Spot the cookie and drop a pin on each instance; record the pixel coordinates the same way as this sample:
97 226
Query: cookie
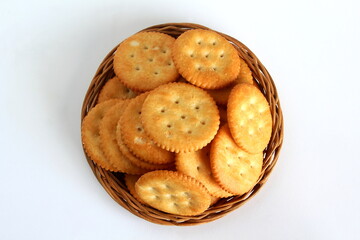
180 117
234 169
249 118
173 192
143 61
108 141
221 96
130 181
206 59
136 140
197 165
135 160
115 89
90 134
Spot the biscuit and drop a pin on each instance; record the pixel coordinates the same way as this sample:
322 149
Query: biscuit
173 192
108 140
234 169
135 160
221 96
180 117
136 140
197 165
130 181
206 59
90 134
115 89
249 118
143 61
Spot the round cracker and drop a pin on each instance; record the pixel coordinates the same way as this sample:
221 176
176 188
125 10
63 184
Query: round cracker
138 162
143 61
197 165
221 96
136 140
90 134
249 118
109 144
130 181
206 59
234 169
115 89
173 192
180 117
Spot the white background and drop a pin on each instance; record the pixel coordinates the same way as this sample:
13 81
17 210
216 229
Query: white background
49 54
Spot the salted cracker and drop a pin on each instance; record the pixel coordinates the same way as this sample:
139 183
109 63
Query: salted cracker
173 192
249 118
130 181
234 169
206 59
90 134
180 117
143 61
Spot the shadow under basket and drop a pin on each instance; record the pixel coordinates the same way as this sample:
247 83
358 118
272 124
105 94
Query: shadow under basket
114 182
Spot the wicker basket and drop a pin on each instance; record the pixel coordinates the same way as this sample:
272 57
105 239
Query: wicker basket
114 182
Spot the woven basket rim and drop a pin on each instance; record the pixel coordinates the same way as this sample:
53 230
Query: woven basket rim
114 184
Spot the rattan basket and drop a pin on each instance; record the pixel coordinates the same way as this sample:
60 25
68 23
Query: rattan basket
114 182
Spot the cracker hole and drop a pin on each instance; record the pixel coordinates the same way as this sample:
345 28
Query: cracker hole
199 42
198 168
127 90
175 204
197 107
162 110
191 55
229 165
189 132
164 51
222 55
137 68
183 116
151 60
146 47
241 174
132 55
203 122
214 68
156 73
251 166
169 125
199 68
157 197
207 56
139 112
169 63
214 43
139 129
176 102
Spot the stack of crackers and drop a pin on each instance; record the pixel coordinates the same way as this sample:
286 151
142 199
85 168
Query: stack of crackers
183 120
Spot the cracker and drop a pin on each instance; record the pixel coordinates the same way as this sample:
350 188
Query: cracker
180 117
249 118
197 165
143 61
90 134
221 96
214 200
173 192
206 59
115 89
136 140
108 140
135 160
234 169
130 181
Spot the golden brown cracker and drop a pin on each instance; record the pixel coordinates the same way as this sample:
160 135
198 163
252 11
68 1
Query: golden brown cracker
90 134
108 140
206 59
180 117
234 169
115 89
135 160
249 118
130 181
143 61
197 165
136 140
173 192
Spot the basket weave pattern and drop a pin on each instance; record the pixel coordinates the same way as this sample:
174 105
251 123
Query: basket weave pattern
114 183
